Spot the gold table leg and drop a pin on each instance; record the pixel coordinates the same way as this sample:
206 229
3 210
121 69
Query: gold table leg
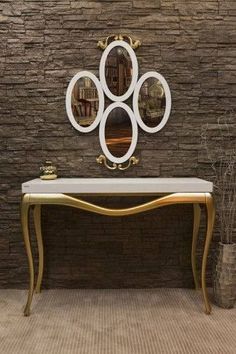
210 224
25 229
38 232
62 199
196 224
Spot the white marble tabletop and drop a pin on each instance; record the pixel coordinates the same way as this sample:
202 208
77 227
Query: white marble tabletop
118 185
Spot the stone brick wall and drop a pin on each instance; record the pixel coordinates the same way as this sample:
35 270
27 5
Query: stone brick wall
43 43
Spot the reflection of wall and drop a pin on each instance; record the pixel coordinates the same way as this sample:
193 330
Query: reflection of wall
39 57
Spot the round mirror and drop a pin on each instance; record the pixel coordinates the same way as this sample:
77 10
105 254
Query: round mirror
118 132
84 101
152 102
118 71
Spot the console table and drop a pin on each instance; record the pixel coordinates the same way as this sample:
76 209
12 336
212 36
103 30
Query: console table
68 192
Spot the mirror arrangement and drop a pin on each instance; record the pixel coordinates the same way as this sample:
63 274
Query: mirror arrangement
88 102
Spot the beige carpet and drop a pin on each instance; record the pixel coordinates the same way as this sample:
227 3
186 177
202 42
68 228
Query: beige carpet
114 322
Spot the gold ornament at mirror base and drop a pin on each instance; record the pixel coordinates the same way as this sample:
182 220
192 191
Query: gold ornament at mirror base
120 37
103 160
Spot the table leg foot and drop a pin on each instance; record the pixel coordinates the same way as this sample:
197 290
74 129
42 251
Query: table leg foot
26 311
208 311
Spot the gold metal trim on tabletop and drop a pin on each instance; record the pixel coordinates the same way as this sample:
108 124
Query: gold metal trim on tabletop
63 199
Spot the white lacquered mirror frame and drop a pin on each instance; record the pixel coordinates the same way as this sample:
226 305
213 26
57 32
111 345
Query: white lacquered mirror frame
166 88
102 134
69 91
102 70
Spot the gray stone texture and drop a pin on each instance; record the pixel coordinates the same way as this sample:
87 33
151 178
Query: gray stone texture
43 44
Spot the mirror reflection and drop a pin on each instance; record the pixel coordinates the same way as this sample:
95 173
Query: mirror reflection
152 102
118 132
118 71
84 101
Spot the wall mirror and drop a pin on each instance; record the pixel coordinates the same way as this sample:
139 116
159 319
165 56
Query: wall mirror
152 102
118 132
118 70
84 101
118 81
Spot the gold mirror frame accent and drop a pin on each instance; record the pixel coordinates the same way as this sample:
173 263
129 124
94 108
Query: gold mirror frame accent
103 160
102 44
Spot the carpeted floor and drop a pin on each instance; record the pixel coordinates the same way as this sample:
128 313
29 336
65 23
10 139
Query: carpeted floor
114 322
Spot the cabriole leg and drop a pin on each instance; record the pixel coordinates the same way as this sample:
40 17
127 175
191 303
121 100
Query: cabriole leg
38 232
25 229
196 224
210 224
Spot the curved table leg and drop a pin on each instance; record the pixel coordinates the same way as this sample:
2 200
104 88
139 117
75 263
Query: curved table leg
196 224
210 224
38 232
25 230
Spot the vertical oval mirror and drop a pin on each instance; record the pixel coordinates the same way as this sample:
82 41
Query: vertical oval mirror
152 102
84 101
118 70
118 132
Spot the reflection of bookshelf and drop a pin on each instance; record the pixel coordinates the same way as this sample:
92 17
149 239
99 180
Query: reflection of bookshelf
118 73
85 104
87 92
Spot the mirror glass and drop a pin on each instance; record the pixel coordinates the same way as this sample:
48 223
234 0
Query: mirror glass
84 101
118 132
118 71
151 102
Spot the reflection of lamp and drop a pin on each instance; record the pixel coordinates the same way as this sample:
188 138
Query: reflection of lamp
120 51
156 90
145 88
87 82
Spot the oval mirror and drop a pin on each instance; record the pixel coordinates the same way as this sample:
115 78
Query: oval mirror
118 71
118 132
152 102
84 101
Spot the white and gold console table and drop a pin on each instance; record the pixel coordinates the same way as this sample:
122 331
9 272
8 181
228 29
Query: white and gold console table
166 191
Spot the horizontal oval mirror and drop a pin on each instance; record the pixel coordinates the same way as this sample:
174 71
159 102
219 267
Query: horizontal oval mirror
84 101
118 132
152 102
118 70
